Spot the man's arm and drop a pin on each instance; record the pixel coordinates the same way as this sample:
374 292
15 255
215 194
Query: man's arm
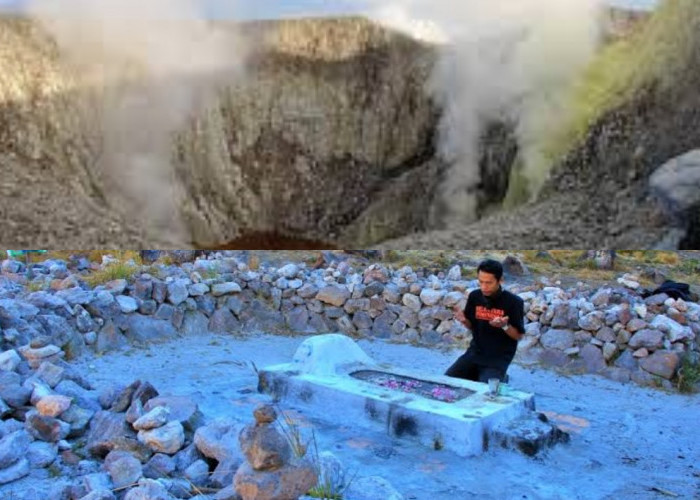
516 327
503 323
462 315
513 332
459 316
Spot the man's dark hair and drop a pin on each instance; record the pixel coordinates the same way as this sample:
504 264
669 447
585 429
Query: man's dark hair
492 267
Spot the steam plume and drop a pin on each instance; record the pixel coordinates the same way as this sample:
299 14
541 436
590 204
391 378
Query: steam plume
501 59
154 63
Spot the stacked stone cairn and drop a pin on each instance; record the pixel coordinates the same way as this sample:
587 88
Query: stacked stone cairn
271 472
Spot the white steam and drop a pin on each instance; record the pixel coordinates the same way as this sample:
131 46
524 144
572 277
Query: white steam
501 59
153 64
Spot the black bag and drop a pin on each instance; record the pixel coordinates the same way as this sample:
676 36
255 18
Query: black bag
672 289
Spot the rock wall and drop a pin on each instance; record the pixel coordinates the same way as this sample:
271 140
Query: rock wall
611 331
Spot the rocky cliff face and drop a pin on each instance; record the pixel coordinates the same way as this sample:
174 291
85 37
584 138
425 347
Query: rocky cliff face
329 121
333 120
598 193
329 136
48 192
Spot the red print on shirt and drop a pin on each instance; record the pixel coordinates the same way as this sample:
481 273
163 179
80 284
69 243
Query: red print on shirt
487 314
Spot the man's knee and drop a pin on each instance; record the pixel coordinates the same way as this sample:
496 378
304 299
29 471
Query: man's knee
463 368
457 370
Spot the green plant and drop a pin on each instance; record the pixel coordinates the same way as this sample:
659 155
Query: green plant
688 267
391 256
209 274
292 432
166 260
688 375
254 262
117 270
54 470
442 261
332 483
36 286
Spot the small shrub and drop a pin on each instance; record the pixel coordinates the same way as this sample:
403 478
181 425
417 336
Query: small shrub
36 286
688 375
117 270
688 267
209 274
442 261
54 470
391 256
166 260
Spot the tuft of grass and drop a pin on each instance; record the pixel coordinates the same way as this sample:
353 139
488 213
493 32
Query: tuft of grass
328 487
391 256
254 262
117 270
652 257
418 259
91 255
688 375
688 269
292 432
166 260
209 274
156 270
37 286
54 470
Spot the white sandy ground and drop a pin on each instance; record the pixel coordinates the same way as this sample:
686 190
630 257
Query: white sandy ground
626 441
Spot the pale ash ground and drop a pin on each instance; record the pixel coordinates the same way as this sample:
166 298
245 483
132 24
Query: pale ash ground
627 441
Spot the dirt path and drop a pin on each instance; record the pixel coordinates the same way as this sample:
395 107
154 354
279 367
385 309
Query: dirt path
626 440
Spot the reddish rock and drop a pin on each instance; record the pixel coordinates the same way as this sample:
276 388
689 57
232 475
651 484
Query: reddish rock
375 273
53 405
651 339
286 483
635 325
46 428
625 316
264 414
105 429
264 447
661 363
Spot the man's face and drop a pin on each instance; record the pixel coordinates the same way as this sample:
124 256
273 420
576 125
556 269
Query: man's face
488 283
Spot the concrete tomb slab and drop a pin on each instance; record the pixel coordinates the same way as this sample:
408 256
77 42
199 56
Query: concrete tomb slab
333 378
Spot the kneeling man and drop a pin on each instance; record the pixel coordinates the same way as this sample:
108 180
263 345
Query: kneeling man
495 317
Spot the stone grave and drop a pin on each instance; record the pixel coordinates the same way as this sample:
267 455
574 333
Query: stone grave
332 378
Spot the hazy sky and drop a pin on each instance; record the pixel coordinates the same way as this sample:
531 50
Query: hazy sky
254 9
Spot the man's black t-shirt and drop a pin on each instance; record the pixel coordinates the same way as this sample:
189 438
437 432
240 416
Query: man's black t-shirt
492 346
